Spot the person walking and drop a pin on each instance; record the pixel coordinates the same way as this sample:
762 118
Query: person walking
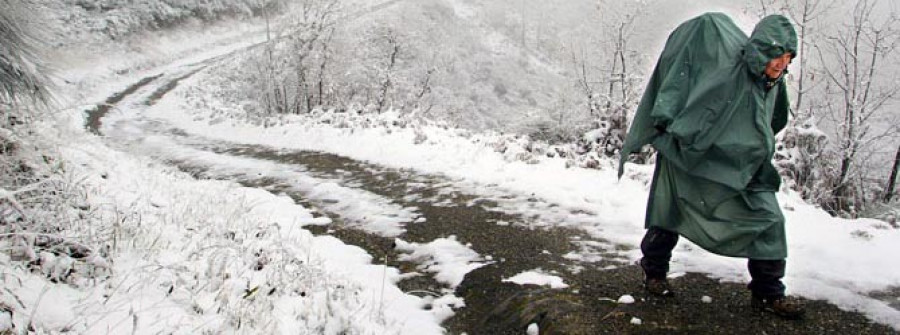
711 109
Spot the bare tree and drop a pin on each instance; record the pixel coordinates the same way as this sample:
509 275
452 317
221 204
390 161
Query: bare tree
622 76
315 22
618 71
425 86
291 80
854 59
585 82
393 47
325 57
804 13
268 65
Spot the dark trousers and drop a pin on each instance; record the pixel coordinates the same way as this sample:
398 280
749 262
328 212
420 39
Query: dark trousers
657 248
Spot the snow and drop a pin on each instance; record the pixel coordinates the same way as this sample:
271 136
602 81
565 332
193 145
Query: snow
442 307
446 257
362 209
706 299
537 277
5 321
626 299
675 274
533 329
205 256
635 321
341 282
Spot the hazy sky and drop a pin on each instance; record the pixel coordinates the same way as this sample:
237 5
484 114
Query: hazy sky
664 15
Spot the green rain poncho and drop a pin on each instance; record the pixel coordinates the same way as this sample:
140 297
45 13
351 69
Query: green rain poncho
712 115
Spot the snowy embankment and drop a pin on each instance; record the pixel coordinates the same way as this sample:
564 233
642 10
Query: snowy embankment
181 255
845 262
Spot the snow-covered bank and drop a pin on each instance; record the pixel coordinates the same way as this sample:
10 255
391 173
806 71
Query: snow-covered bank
186 256
842 261
212 256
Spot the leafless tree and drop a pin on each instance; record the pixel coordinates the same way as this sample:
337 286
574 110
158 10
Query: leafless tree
585 81
294 62
392 50
607 71
623 30
855 60
314 23
325 57
425 86
804 13
621 76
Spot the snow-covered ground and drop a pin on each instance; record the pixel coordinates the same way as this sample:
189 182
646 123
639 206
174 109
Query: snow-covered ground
195 256
187 255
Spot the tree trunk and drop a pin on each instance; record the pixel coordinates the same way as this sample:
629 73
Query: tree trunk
386 86
892 182
804 22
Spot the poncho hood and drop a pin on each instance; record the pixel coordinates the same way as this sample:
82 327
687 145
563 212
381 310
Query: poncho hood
772 37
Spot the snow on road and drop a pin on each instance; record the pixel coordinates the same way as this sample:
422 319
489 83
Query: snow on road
358 208
537 277
446 257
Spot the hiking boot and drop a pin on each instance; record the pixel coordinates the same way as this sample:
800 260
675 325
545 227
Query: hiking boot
658 287
782 306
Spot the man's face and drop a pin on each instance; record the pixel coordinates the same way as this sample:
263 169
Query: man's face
776 66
